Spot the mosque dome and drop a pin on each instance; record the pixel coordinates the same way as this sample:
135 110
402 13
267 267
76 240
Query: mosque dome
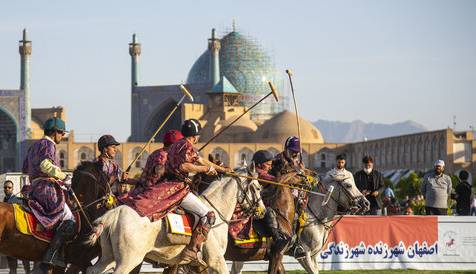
242 131
248 67
283 125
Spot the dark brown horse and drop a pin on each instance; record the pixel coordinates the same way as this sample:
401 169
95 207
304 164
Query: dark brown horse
92 190
282 202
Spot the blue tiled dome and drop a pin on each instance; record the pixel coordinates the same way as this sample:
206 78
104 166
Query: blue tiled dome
248 67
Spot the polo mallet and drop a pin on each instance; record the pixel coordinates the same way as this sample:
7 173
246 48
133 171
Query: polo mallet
290 74
275 95
326 196
186 94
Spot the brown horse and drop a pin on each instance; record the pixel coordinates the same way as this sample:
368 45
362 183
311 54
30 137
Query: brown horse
92 190
282 202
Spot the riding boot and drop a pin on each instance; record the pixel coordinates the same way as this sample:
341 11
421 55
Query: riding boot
190 254
280 239
54 255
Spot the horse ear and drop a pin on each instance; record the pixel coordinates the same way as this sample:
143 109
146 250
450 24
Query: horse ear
252 168
211 158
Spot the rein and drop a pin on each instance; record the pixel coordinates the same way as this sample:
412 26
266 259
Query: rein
105 197
330 224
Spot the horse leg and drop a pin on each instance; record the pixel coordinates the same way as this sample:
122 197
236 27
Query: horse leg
136 270
281 269
307 263
237 267
213 255
106 260
274 263
315 263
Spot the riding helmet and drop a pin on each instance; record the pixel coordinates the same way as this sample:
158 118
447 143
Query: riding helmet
262 156
293 143
54 123
191 127
105 141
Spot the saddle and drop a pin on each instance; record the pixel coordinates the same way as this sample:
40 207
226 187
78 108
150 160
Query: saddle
247 232
26 223
179 226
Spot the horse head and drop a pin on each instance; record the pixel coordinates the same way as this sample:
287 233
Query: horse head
346 196
92 189
249 194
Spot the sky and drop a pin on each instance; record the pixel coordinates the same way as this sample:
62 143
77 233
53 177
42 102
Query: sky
371 60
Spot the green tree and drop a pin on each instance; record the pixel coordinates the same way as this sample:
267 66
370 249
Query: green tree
408 186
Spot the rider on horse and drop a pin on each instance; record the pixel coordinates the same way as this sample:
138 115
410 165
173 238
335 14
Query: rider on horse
183 158
47 199
155 166
290 159
107 146
263 160
283 163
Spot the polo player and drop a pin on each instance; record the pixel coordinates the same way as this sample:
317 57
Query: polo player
107 146
183 158
46 196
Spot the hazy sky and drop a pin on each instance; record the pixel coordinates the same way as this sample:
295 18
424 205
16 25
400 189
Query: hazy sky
378 61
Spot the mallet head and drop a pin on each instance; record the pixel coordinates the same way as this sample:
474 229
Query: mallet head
186 92
273 90
289 72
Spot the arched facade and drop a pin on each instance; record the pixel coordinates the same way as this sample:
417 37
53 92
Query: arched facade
140 163
8 141
158 116
219 154
244 156
63 158
84 153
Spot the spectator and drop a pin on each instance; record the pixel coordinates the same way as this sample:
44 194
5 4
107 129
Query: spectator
463 194
370 182
408 211
12 198
473 206
436 188
388 192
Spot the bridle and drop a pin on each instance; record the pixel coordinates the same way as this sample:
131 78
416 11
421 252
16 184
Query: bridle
244 191
329 225
342 190
101 201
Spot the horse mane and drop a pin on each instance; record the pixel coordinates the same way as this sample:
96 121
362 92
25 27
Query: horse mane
86 165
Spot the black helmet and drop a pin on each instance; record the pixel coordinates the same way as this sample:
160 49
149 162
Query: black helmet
191 127
262 156
106 140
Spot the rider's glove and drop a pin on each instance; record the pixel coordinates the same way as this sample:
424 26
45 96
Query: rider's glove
67 183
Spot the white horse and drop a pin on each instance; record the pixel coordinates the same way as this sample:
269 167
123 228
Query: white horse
345 196
126 238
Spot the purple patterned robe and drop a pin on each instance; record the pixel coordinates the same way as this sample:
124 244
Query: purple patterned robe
46 198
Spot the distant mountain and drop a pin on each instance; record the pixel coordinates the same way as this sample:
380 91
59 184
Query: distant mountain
357 131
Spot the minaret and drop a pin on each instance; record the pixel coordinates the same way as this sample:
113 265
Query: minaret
214 48
134 51
24 48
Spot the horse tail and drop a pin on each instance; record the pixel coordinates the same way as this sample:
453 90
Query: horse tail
103 224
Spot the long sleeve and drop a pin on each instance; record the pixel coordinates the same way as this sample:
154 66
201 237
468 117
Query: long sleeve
423 187
450 186
50 169
381 184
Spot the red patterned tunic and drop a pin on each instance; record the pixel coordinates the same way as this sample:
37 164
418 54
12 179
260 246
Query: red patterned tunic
158 199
